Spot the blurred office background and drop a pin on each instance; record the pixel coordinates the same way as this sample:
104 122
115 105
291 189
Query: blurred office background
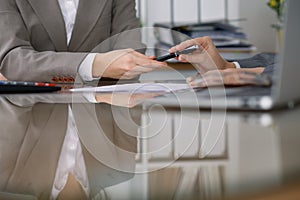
254 17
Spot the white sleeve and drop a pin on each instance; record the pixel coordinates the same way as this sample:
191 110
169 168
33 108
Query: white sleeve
85 68
85 71
237 65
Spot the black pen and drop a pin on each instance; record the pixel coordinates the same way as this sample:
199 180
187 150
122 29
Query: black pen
177 53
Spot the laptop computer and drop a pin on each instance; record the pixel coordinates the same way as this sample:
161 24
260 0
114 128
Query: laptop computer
283 92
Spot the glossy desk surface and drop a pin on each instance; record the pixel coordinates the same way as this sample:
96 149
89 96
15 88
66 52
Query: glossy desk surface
135 152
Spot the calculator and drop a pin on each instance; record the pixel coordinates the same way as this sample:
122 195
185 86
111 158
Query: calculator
12 87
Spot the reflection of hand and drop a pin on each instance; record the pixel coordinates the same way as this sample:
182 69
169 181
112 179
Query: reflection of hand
2 78
207 58
123 64
230 77
124 99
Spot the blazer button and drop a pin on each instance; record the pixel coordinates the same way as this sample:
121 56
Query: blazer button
71 79
60 79
54 79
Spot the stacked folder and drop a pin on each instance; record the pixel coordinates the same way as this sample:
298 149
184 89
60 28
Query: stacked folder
226 37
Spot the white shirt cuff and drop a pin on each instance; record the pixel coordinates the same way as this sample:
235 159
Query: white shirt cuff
85 68
237 65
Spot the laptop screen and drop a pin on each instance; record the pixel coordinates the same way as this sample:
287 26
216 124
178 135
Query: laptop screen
286 84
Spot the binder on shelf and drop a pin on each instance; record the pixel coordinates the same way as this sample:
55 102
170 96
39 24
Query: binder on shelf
225 36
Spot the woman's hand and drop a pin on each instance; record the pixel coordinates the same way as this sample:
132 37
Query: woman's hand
206 58
123 64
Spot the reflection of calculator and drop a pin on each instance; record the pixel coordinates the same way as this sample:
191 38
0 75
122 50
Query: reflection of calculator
26 87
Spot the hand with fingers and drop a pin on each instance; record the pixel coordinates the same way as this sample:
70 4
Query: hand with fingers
206 58
123 64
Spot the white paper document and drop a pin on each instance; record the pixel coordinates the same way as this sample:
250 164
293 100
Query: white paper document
136 88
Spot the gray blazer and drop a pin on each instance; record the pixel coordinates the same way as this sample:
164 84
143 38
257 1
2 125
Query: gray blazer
33 44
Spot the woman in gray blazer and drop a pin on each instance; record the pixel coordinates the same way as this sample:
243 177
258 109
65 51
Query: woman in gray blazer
51 40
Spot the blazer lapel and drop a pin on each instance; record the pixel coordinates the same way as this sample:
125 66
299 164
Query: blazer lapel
52 19
88 14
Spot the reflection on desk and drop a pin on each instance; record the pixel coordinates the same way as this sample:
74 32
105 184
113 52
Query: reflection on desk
32 135
254 154
154 153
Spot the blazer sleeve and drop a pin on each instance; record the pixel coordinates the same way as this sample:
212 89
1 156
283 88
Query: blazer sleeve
270 70
266 60
20 61
259 60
